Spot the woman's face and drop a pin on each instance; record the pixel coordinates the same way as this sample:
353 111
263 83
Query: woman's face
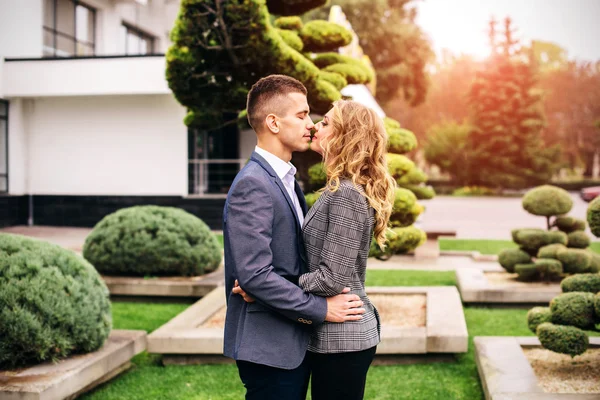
323 129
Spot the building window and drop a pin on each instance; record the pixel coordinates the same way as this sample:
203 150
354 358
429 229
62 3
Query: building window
136 41
3 146
69 29
213 160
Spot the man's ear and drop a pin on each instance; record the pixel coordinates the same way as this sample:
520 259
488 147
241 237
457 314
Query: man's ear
272 123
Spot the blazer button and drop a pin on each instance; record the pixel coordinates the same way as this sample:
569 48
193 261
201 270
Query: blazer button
300 319
309 322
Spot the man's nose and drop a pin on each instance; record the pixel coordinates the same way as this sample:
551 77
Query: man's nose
310 124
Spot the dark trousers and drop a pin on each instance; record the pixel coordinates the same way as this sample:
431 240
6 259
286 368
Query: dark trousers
268 383
340 375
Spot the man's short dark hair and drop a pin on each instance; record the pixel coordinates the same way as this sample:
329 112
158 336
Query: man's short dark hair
265 97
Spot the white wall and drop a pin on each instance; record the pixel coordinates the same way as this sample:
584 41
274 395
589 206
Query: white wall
18 146
109 145
21 28
83 77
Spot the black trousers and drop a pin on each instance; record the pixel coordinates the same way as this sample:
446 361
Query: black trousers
340 375
268 383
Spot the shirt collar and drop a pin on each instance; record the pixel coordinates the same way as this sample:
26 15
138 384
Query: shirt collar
281 167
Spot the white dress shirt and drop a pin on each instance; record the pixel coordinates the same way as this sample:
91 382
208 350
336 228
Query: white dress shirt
285 171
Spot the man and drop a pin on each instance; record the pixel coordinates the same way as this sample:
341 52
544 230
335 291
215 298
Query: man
262 223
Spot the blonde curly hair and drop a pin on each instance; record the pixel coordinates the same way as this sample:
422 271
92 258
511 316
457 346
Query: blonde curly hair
356 150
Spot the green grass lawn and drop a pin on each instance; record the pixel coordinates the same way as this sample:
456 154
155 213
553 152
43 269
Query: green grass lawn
148 379
487 246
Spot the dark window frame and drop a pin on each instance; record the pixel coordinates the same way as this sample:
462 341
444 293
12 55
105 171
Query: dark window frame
141 35
56 33
5 133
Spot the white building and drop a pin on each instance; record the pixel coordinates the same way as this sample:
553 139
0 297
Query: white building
88 124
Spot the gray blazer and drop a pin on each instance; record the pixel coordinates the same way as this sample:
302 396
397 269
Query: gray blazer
264 251
337 234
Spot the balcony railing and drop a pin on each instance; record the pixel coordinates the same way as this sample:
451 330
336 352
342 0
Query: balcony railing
213 178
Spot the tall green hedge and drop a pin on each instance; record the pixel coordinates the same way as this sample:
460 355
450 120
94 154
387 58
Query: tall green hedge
52 303
152 241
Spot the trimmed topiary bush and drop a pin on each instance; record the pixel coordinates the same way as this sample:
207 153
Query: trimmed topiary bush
589 283
575 261
152 240
508 258
527 272
537 316
319 36
563 339
597 307
534 239
595 263
574 308
548 268
569 224
399 241
578 240
293 23
593 216
550 251
547 201
53 303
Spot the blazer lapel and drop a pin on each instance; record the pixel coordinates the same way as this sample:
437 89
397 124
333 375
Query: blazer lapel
256 157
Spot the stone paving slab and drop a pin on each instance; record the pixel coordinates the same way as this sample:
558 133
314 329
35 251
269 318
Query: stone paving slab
474 287
506 373
76 374
441 263
445 330
196 286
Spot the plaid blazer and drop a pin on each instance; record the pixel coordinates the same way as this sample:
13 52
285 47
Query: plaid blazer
337 235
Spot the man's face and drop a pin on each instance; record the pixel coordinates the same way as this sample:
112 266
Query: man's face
295 123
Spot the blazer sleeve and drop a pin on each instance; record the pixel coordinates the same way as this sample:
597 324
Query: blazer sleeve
249 220
347 216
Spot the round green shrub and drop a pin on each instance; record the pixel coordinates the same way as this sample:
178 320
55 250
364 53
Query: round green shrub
152 240
354 74
508 258
415 176
573 308
399 241
550 251
597 307
398 165
581 283
317 175
53 303
312 198
293 23
578 240
526 272
406 210
423 192
549 268
563 339
401 141
335 79
595 263
575 261
593 216
569 224
320 36
534 239
291 38
537 316
547 200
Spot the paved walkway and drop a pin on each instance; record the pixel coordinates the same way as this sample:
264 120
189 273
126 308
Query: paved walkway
427 258
68 237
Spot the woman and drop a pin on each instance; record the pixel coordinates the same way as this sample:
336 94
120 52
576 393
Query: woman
355 205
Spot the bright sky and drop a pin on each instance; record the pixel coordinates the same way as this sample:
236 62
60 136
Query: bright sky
461 25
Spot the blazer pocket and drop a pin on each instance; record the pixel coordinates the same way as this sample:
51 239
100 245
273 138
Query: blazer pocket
256 307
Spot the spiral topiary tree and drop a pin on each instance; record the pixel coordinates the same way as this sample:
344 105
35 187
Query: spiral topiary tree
552 253
220 48
53 303
403 236
561 327
152 241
